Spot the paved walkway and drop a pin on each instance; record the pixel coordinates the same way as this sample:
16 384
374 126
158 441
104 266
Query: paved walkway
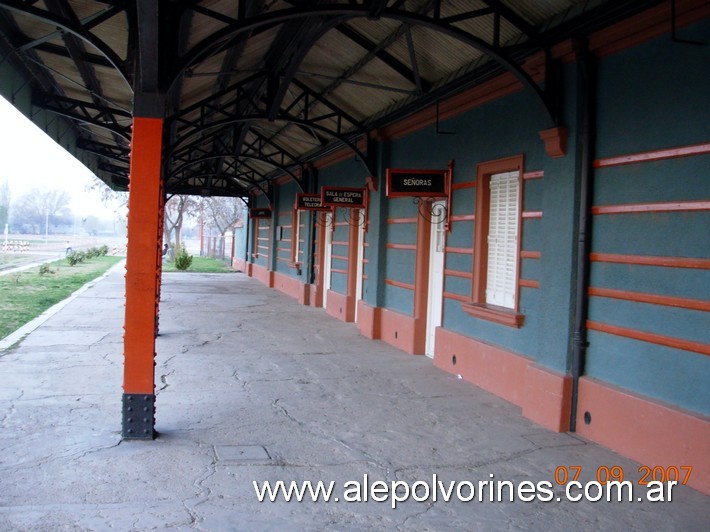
253 387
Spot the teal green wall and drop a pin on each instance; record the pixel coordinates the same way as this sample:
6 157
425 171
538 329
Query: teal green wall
504 128
653 97
262 260
348 173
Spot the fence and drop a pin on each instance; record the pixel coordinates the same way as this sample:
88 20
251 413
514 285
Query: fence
217 247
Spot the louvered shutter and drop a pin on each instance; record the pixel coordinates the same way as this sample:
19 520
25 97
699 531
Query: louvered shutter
503 240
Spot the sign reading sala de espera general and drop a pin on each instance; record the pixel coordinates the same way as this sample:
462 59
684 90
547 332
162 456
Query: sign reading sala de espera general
353 198
310 202
418 183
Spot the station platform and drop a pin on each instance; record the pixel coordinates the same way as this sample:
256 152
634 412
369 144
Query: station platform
252 387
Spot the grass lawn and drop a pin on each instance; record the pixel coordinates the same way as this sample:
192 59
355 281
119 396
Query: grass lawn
25 295
200 265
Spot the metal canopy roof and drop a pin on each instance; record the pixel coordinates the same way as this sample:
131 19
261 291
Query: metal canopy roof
254 90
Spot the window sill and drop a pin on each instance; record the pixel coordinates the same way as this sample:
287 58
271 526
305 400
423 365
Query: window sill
495 314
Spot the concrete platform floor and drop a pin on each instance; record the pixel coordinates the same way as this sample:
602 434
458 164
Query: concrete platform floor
253 387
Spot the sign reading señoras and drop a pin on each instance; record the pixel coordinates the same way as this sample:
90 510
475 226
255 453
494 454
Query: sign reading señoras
421 183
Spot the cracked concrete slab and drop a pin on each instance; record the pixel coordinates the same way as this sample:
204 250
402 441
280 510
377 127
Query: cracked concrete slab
252 387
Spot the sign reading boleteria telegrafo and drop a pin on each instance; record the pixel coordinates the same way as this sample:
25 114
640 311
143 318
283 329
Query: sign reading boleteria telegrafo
310 202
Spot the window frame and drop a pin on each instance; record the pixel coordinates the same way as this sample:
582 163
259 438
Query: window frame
478 307
295 238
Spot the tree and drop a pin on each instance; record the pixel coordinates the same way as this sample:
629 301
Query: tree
38 207
224 213
4 204
176 209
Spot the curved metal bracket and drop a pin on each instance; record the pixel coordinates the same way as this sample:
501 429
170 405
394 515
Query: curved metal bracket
283 168
433 212
282 118
354 217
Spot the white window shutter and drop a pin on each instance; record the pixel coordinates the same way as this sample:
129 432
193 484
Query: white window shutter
503 240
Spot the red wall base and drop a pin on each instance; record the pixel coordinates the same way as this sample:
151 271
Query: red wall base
645 430
398 330
239 264
262 274
291 287
315 296
369 320
543 394
338 307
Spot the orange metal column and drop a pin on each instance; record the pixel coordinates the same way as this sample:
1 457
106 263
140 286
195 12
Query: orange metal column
142 271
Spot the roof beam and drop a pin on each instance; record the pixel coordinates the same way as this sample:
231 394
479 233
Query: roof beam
514 18
71 26
377 51
85 112
344 11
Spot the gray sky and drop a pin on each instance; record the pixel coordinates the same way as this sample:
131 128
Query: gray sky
30 159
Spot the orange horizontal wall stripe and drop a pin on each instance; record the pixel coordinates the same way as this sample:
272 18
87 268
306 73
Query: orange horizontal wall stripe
462 251
339 243
647 260
534 175
463 217
532 214
337 270
341 223
457 297
530 254
467 184
339 257
457 273
657 155
655 299
529 283
401 220
653 338
668 206
398 284
402 246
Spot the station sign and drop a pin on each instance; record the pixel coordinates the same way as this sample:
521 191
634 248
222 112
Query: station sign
262 212
352 198
417 183
310 202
